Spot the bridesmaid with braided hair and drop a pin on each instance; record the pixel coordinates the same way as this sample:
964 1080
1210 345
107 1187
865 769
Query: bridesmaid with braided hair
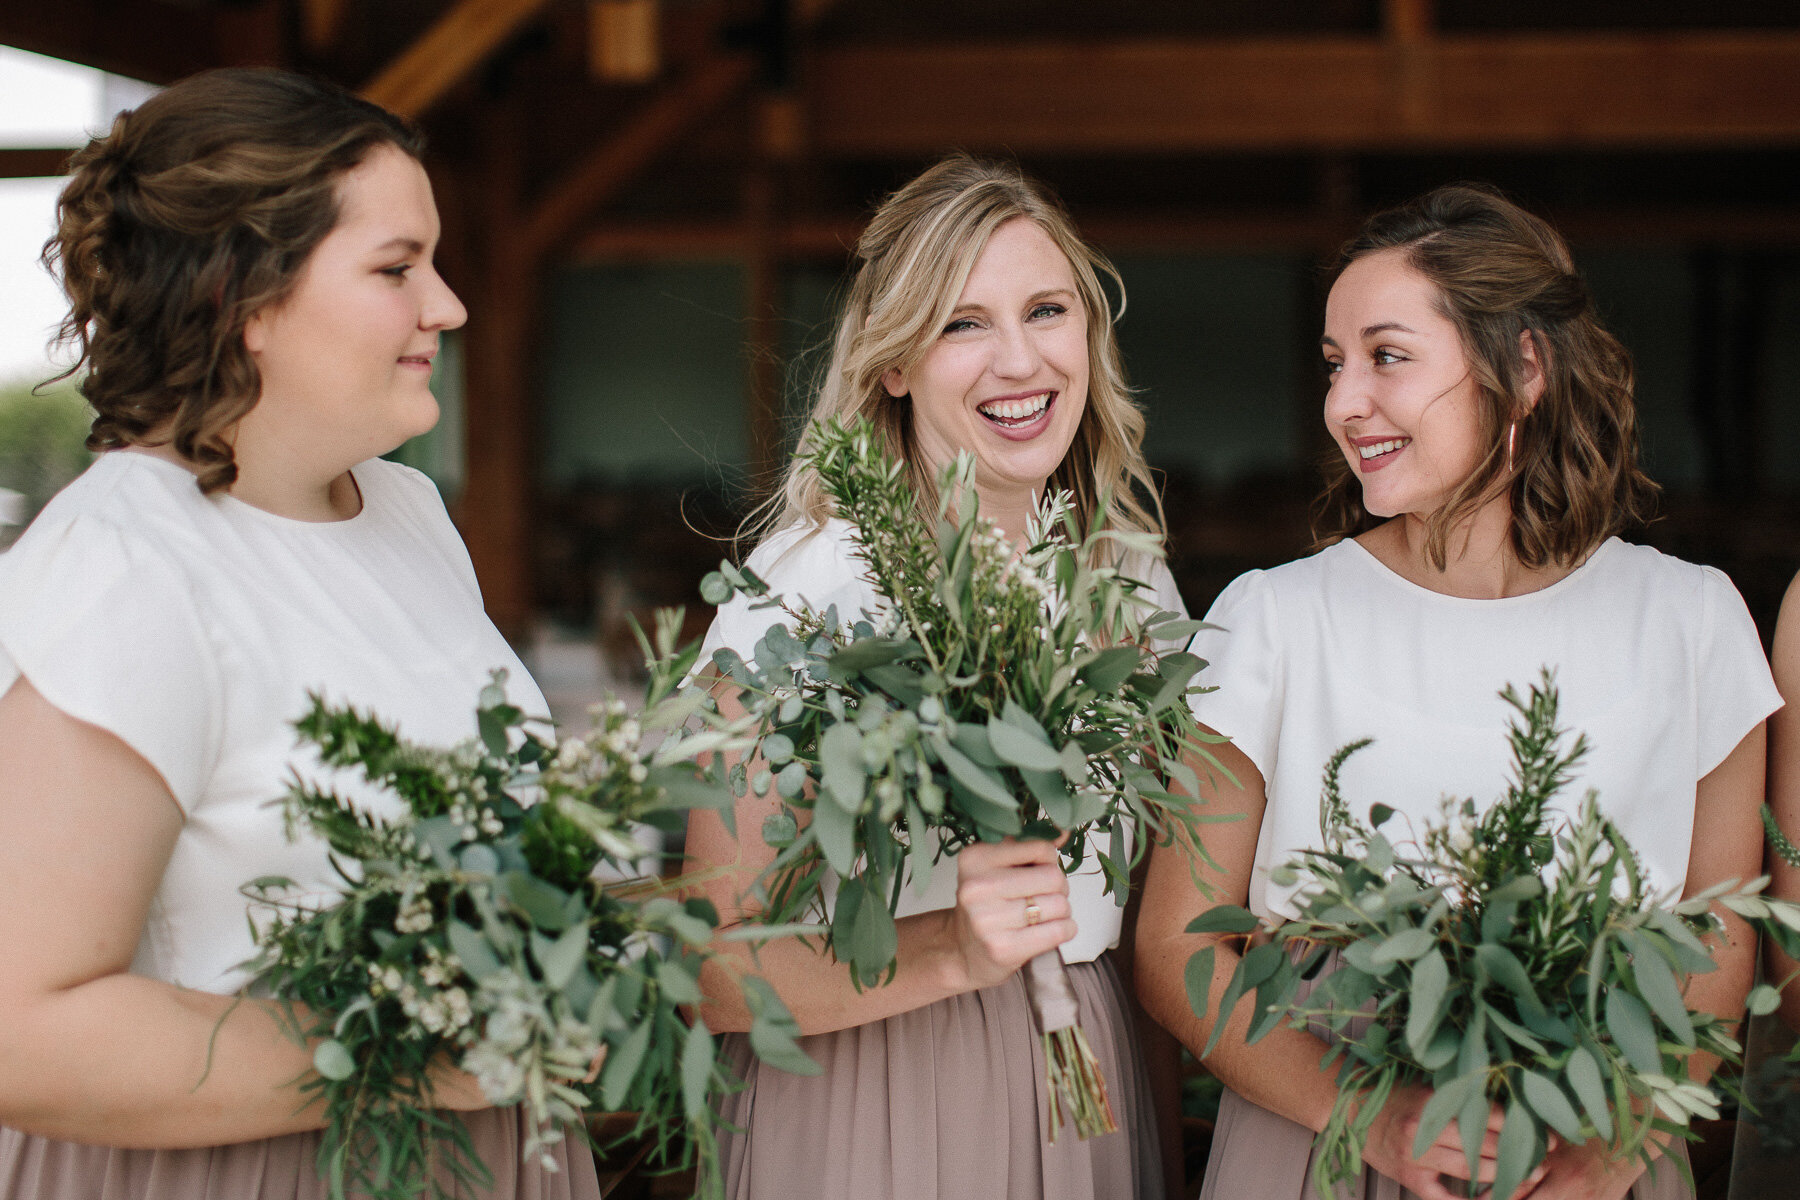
248 261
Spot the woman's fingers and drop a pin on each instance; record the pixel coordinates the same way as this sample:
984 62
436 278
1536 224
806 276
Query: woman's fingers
1010 885
1008 852
1012 904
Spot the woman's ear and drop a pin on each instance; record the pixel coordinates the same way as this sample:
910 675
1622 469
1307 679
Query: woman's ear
256 331
1531 369
894 380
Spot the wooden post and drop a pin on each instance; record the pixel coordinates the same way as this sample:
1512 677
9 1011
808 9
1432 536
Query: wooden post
762 307
624 40
495 510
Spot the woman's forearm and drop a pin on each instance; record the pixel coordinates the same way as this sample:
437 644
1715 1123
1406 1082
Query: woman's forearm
818 989
129 1061
1280 1073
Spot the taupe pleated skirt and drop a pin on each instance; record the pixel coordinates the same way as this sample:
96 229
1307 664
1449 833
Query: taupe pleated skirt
1257 1155
946 1102
281 1168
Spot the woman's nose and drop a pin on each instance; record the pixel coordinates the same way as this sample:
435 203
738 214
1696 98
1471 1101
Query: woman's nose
442 309
1347 399
1015 354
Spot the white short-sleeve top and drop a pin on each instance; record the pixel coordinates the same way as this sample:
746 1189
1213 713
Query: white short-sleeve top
1656 660
818 568
193 628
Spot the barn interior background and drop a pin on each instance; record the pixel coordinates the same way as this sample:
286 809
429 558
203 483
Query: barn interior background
648 206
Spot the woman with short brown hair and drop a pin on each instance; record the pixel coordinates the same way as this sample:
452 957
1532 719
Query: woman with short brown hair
1488 456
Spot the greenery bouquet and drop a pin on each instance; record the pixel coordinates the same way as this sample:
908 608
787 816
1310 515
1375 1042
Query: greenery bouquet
1503 957
1000 695
473 929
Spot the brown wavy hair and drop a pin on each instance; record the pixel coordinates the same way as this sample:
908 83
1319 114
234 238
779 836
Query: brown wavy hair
197 209
1502 273
912 262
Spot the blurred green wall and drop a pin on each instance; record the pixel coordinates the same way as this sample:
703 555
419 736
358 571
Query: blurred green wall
644 380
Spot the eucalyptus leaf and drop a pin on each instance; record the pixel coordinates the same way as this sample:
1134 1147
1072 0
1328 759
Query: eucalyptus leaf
835 831
472 950
677 982
1547 1101
561 958
696 1069
1584 1080
842 774
1441 1109
1763 1000
1513 1159
1020 748
1657 984
1628 1021
790 781
1430 982
621 1066
1197 977
1404 946
1108 670
1224 918
331 1060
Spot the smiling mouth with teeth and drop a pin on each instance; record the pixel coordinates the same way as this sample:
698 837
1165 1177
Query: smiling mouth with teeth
1377 449
1013 413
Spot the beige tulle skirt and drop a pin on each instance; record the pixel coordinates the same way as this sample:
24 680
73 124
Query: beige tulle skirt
943 1103
1257 1155
35 1168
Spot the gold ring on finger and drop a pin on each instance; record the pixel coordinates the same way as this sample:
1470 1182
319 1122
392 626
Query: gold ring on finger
1033 914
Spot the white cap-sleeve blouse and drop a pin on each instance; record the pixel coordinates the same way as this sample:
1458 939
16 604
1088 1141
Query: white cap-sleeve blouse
194 627
1655 659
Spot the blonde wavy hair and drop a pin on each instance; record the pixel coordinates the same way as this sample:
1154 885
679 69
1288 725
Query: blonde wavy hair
913 260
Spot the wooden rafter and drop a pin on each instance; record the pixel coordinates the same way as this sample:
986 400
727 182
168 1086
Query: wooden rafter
1687 89
320 21
617 160
612 164
447 52
830 239
34 162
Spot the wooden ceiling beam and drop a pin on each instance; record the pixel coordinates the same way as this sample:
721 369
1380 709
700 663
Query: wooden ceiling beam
446 53
32 162
828 239
612 164
616 161
155 42
1334 94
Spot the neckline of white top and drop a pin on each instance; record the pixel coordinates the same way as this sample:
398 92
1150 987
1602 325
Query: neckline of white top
227 500
1382 571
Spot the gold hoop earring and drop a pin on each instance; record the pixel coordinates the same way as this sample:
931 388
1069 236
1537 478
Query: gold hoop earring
1512 434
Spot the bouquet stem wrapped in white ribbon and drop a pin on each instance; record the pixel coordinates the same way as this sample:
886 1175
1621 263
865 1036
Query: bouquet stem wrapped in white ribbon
1003 694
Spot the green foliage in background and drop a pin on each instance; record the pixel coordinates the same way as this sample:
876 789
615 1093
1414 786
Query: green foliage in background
41 436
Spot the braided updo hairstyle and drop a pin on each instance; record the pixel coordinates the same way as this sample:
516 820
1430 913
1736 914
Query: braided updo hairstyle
197 209
1501 273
